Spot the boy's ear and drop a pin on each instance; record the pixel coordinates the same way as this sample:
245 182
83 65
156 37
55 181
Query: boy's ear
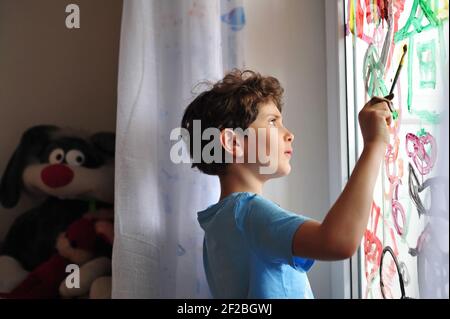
105 142
33 141
231 143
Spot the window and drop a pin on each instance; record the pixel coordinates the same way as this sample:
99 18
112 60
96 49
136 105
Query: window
408 185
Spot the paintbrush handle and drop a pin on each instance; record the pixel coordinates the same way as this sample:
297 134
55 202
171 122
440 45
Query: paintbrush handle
402 60
395 79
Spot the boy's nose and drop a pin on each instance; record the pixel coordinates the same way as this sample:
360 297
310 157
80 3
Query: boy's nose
290 136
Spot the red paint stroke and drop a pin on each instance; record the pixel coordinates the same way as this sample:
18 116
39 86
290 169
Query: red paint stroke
391 158
399 6
357 21
394 242
372 244
423 160
375 12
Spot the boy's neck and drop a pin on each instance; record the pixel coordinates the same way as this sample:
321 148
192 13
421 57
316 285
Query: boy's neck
239 181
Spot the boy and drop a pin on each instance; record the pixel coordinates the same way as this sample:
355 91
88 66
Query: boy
252 247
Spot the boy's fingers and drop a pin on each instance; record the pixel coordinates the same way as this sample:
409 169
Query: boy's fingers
378 99
389 97
387 116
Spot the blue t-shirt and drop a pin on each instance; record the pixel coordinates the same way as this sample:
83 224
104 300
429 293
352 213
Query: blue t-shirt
247 249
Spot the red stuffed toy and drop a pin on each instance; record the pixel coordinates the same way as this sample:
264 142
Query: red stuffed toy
77 246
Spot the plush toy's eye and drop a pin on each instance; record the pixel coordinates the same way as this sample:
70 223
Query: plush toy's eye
75 157
73 244
56 156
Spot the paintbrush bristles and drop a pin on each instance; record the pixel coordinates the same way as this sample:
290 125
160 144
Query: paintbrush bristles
405 49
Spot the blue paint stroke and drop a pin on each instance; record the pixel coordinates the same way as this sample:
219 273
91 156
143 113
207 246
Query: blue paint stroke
180 250
235 18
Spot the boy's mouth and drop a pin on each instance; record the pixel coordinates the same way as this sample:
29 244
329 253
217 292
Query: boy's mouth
288 152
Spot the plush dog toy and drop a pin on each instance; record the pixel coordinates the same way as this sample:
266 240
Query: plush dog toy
72 172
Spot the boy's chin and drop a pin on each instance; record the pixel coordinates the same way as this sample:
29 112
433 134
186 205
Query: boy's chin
280 172
284 171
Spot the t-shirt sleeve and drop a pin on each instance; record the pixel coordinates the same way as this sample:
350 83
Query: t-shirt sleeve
269 230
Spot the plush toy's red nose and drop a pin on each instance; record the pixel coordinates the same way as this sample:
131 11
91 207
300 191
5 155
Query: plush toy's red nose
56 175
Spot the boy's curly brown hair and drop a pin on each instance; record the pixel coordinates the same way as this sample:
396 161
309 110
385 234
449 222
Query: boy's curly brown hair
230 103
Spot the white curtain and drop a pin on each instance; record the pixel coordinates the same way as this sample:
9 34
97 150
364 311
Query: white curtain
167 47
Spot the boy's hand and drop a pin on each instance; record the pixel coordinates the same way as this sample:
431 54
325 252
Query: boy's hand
374 119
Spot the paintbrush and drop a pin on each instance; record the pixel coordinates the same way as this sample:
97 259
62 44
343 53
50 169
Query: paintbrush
397 73
402 60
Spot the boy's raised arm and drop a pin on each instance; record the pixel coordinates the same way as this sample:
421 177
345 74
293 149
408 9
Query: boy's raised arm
340 234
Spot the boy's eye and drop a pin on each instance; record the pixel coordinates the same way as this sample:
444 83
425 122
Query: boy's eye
273 121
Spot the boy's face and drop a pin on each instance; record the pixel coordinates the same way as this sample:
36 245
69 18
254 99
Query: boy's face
273 145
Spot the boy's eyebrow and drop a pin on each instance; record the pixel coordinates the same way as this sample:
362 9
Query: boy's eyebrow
272 114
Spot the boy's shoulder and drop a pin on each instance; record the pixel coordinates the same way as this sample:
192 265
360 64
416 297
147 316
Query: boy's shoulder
241 205
256 199
251 205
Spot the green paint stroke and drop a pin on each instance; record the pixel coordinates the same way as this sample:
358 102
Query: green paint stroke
410 72
427 63
394 114
415 19
422 132
373 73
413 26
432 118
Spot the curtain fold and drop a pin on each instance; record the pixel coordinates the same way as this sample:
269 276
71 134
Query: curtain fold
167 47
